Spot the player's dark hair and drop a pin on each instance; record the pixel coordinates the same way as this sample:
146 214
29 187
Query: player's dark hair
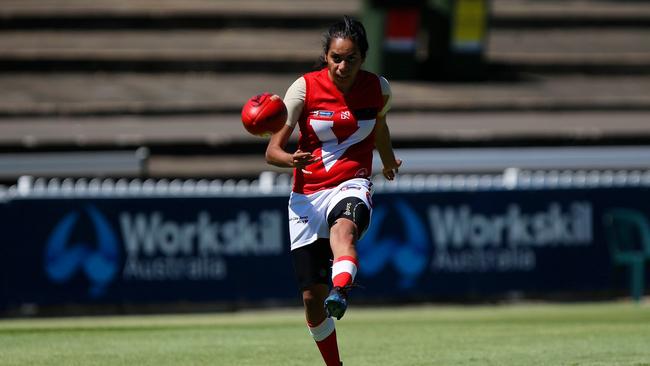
348 28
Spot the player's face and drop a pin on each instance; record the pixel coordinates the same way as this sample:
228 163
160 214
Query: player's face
343 62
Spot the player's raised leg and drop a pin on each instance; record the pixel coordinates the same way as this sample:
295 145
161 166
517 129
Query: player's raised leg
349 217
344 269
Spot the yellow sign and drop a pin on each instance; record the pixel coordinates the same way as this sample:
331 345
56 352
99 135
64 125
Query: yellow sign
469 25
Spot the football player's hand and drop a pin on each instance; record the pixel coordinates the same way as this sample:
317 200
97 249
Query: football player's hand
391 170
300 159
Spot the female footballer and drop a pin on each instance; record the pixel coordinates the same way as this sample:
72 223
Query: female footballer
340 111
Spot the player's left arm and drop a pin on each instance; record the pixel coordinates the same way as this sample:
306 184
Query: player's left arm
383 142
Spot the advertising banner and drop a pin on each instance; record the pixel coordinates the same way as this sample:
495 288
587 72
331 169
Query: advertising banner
152 250
463 243
424 245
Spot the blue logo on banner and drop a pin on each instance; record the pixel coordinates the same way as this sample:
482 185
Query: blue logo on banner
405 246
99 262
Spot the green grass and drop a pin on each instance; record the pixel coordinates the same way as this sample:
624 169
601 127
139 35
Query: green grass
527 334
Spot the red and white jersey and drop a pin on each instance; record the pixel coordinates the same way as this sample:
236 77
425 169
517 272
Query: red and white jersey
338 128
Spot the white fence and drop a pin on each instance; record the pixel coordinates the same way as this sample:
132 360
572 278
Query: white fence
270 183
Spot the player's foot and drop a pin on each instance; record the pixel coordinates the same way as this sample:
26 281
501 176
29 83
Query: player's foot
336 303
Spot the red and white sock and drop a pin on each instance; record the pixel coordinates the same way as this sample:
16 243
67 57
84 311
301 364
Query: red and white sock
343 270
325 336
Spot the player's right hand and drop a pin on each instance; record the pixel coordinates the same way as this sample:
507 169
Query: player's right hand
300 159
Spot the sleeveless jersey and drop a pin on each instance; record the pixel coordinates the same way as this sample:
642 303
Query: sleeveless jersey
338 128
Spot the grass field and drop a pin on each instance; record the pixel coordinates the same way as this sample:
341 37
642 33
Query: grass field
525 334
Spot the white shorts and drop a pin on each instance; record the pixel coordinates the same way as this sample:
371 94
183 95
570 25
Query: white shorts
308 212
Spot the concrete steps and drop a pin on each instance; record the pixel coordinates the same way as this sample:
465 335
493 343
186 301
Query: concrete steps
169 14
593 50
527 14
79 75
548 36
166 14
581 50
100 94
216 145
226 50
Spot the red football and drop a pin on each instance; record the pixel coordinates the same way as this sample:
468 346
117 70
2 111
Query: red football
264 114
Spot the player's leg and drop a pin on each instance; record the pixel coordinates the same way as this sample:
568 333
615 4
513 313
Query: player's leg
320 326
349 217
311 264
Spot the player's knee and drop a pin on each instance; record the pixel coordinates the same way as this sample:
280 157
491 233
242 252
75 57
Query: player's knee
313 307
344 231
312 298
308 297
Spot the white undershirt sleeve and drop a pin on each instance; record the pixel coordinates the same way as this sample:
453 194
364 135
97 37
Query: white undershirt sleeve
294 99
386 92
